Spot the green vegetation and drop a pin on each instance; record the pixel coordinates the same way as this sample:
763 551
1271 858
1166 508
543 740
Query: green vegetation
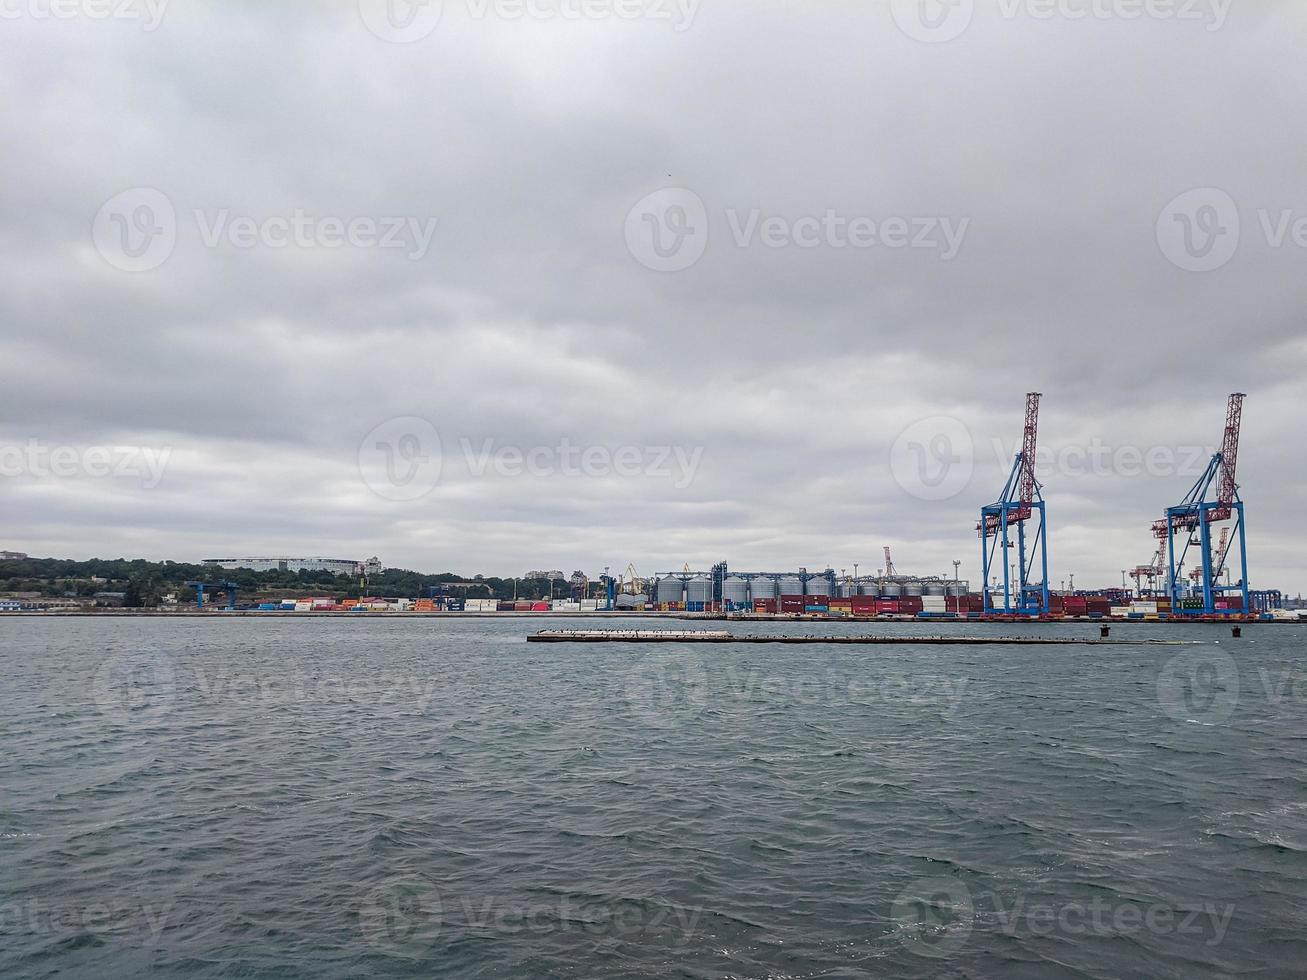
144 583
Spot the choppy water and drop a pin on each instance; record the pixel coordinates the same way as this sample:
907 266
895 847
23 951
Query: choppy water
326 798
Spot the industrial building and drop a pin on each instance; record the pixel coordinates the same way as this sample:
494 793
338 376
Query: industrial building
336 566
802 590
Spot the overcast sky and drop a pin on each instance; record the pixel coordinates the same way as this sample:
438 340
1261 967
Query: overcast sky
669 282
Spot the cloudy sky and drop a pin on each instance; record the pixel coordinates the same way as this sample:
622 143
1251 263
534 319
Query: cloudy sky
498 285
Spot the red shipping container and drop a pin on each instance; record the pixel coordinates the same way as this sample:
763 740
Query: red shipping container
887 605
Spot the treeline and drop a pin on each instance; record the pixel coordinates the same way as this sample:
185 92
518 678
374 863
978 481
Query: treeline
144 583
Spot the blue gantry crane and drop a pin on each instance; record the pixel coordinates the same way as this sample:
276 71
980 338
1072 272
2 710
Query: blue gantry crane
199 587
1021 501
1193 518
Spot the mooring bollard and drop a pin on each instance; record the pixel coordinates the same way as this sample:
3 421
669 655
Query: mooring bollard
1237 632
1105 631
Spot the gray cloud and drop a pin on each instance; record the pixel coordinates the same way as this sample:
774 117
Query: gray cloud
794 369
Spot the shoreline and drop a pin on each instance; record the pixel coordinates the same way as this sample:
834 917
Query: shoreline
669 615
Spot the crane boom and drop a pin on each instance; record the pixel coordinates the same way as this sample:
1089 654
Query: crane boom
1230 452
1028 442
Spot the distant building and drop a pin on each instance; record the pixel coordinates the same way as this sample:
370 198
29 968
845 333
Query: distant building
549 575
10 605
12 556
337 566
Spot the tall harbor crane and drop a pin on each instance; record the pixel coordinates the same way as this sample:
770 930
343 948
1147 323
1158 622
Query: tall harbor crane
1194 516
1021 500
